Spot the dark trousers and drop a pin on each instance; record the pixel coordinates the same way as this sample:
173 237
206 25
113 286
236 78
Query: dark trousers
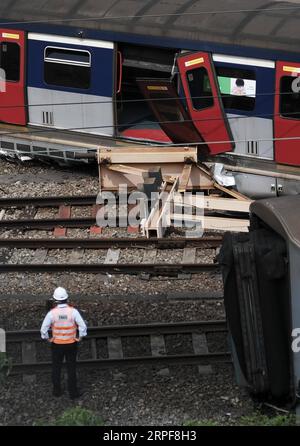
59 352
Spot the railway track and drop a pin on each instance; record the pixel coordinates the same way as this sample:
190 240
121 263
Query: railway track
154 350
62 208
106 243
43 202
41 254
110 256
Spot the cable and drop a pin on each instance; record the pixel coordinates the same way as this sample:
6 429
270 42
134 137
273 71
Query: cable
117 126
132 101
143 16
78 150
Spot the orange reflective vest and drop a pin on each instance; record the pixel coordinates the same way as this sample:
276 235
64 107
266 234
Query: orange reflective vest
64 327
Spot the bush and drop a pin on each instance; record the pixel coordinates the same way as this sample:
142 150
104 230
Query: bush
77 416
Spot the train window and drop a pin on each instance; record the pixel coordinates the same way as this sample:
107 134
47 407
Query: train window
61 55
10 60
238 88
200 88
289 97
67 68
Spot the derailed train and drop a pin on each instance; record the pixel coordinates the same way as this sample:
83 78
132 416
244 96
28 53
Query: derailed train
218 75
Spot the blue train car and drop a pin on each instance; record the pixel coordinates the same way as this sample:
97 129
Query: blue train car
223 76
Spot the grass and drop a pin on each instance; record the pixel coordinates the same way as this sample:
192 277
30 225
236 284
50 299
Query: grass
256 419
76 416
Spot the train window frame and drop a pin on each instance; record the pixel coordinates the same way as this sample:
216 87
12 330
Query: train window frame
294 117
14 81
244 74
69 63
200 96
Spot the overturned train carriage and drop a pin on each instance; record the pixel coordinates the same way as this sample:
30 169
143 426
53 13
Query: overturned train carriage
81 75
261 292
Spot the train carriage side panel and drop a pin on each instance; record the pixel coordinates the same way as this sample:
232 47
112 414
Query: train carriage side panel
71 84
13 90
247 87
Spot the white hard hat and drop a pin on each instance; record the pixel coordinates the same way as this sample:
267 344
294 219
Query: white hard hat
60 294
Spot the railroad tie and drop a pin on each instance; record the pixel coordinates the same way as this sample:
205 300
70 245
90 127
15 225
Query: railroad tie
200 348
189 256
29 357
94 348
158 348
132 229
76 256
39 256
112 256
96 230
63 212
115 348
149 257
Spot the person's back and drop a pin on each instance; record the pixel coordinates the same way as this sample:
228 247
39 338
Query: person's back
64 321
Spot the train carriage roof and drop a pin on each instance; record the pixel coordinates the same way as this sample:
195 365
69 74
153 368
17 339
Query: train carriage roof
272 25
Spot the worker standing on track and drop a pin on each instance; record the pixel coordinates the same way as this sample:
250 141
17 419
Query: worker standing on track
64 321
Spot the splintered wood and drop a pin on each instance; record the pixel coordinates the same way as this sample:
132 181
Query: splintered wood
188 196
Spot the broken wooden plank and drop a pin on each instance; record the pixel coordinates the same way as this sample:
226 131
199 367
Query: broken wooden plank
231 192
160 216
216 223
111 180
144 154
2 214
217 204
127 169
185 177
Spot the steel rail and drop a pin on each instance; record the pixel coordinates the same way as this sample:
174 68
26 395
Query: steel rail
47 201
131 330
159 269
48 223
167 360
106 243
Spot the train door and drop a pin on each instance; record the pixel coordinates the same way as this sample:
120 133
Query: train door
203 99
12 64
169 111
287 113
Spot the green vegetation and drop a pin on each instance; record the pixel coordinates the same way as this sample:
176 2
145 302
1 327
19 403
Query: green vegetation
256 419
5 367
264 420
77 416
201 423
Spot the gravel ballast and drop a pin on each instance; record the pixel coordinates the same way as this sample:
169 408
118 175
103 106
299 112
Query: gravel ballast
140 396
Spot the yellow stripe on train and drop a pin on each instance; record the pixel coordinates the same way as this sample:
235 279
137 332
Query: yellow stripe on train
10 36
